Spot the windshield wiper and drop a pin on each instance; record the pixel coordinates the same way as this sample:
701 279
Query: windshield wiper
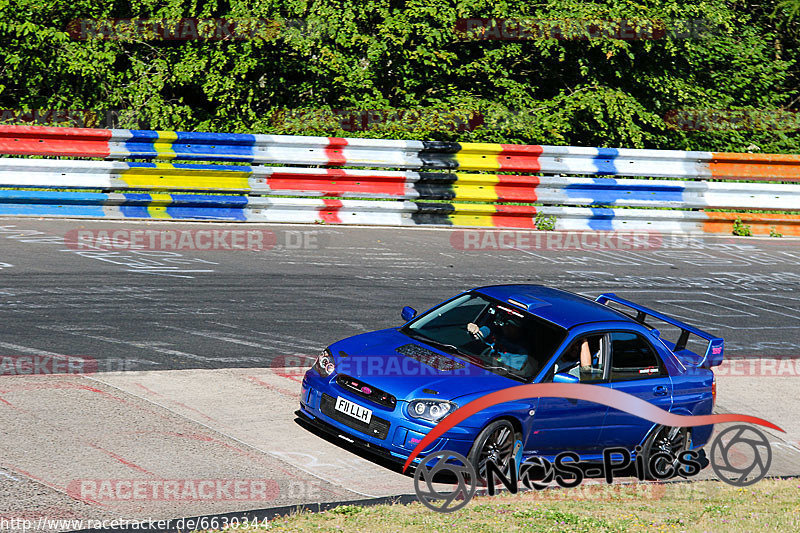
506 371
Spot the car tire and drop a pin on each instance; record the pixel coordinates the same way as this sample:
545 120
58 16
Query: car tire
672 440
496 441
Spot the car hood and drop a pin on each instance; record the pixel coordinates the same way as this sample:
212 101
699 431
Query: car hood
410 369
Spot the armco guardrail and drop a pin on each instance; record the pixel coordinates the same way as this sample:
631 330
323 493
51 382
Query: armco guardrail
415 155
431 171
354 183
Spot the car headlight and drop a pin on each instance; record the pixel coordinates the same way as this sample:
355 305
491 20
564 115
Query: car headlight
324 365
431 410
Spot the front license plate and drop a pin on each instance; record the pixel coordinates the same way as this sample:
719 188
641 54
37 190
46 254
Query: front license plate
353 409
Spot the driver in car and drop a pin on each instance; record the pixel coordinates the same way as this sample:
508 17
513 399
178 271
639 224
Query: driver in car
581 354
577 361
506 347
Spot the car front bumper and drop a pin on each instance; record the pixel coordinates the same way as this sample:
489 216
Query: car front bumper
391 433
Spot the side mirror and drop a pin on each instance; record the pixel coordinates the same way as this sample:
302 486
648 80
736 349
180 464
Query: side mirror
564 377
408 313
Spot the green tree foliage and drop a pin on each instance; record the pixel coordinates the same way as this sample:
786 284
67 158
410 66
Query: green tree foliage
388 54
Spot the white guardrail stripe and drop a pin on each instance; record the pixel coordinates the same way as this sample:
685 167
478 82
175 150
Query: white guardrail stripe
17 172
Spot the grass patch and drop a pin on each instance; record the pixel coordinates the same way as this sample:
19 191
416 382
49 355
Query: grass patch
770 505
741 229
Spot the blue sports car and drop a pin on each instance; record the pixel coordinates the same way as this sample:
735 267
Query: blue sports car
386 389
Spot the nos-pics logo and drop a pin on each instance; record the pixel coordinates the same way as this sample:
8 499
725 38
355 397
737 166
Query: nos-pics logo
446 481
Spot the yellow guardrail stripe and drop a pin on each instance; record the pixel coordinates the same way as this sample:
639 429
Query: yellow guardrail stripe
478 156
472 215
475 187
163 146
166 176
159 211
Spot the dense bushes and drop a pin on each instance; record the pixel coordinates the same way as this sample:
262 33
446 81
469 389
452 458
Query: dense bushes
706 75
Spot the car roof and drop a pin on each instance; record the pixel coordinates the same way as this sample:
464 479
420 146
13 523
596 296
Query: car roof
563 308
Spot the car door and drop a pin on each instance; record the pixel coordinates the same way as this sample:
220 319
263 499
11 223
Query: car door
637 369
561 424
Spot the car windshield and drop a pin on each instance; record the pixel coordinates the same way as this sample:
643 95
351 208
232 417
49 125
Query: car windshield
489 333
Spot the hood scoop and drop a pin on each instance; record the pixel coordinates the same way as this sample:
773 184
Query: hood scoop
428 357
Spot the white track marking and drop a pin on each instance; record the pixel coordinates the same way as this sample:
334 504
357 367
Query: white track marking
158 347
28 350
171 274
718 310
590 291
232 339
297 341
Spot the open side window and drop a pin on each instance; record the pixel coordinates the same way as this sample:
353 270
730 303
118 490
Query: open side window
585 359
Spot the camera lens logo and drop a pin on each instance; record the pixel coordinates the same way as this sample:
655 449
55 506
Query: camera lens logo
738 452
445 462
536 469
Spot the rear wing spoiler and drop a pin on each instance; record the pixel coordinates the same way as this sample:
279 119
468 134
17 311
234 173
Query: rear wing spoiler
714 350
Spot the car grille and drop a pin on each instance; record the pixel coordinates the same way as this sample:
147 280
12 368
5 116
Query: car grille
369 392
377 427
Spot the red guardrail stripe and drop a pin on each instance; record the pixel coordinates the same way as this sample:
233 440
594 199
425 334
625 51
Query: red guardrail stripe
334 151
520 157
514 216
334 182
516 188
41 140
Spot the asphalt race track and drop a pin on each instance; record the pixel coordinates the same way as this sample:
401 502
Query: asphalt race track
199 353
